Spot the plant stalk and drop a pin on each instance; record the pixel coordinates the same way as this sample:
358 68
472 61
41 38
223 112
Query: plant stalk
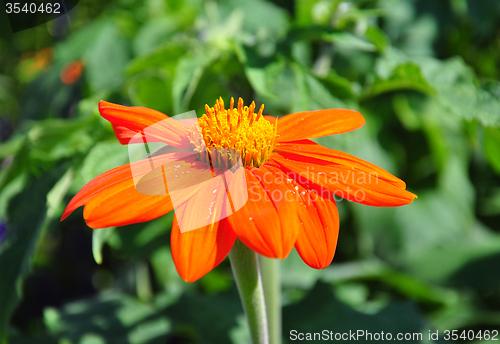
271 278
248 278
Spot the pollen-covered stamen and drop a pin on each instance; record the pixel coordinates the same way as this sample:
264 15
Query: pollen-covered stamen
237 129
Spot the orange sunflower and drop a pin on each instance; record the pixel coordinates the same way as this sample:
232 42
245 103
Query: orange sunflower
291 182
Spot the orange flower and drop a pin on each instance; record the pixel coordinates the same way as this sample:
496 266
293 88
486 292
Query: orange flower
71 72
290 179
32 64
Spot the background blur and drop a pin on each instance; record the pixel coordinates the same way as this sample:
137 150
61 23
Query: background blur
423 73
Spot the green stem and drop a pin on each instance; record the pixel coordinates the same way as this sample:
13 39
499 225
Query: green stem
248 278
270 269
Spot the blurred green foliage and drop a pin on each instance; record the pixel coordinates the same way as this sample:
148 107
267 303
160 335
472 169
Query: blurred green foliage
425 74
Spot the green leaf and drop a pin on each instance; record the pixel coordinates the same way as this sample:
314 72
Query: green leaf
404 283
492 147
465 314
76 47
191 312
324 311
187 76
17 167
216 281
321 95
348 16
8 101
454 83
11 189
262 73
106 59
110 315
304 11
338 86
116 317
102 157
11 146
490 206
241 333
28 215
406 114
261 17
53 139
481 253
343 40
404 77
310 93
99 238
151 91
378 37
308 33
165 271
437 210
141 239
296 274
301 96
348 41
19 338
164 57
153 34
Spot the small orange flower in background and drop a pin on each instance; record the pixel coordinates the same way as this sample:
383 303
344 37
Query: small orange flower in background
71 72
43 58
32 64
290 180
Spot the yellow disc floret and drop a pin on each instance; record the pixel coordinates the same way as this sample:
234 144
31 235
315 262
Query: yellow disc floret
228 134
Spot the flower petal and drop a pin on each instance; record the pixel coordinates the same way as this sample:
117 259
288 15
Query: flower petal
201 237
310 124
355 185
197 252
124 134
154 125
317 240
270 119
311 149
208 204
113 199
268 223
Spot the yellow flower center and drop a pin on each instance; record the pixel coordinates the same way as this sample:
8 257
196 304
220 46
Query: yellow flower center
228 134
